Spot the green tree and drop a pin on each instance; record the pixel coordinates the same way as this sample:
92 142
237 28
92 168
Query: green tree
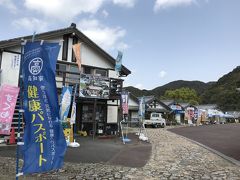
229 100
183 95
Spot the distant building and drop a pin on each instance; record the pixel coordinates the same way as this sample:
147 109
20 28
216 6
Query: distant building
155 105
152 104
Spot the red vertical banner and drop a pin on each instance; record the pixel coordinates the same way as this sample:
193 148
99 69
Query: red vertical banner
125 97
8 99
190 112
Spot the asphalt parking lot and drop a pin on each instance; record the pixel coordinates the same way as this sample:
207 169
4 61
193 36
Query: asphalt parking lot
223 138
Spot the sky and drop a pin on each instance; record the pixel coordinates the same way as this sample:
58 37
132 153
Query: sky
161 40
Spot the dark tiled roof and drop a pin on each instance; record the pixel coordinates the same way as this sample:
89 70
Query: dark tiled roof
149 99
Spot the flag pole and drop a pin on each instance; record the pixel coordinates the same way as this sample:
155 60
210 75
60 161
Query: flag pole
78 55
118 67
20 111
74 101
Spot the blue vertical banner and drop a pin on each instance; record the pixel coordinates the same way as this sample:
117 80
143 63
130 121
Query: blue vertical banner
66 99
118 64
44 142
141 110
73 113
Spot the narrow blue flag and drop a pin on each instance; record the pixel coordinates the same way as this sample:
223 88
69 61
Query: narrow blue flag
118 64
44 142
65 103
141 110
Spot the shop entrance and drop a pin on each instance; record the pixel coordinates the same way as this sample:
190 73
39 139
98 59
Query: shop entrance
93 117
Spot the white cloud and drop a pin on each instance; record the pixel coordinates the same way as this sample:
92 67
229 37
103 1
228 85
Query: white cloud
105 13
162 74
30 24
9 5
139 86
125 3
68 9
163 4
106 37
64 9
122 46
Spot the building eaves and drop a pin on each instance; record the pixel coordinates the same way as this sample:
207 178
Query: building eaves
60 32
134 98
159 101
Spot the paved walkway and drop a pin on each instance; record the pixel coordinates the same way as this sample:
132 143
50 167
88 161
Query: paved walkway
111 151
172 157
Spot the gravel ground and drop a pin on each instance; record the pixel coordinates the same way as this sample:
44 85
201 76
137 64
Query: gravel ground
173 157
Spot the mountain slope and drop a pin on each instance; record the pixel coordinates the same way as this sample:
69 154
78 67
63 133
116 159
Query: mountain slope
224 93
198 86
137 92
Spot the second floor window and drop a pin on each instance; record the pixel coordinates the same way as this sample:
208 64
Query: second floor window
95 71
65 48
87 70
61 68
101 72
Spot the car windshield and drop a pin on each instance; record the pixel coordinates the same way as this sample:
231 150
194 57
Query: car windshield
155 115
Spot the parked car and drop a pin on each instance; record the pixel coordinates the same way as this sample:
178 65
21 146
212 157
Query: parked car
156 120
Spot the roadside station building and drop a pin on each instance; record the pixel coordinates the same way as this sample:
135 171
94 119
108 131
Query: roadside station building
152 104
97 104
155 105
191 114
177 111
133 106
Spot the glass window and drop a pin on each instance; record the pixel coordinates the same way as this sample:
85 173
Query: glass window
87 70
155 115
72 77
74 69
60 68
101 72
65 48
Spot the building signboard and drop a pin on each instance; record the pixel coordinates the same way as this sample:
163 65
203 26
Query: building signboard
94 86
10 68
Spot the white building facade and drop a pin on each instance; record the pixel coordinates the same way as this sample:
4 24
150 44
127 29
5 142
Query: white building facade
97 115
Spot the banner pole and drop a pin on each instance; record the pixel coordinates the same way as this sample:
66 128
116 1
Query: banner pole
20 111
74 101
79 95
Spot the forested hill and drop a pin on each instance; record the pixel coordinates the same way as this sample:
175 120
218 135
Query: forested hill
138 92
198 86
224 92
